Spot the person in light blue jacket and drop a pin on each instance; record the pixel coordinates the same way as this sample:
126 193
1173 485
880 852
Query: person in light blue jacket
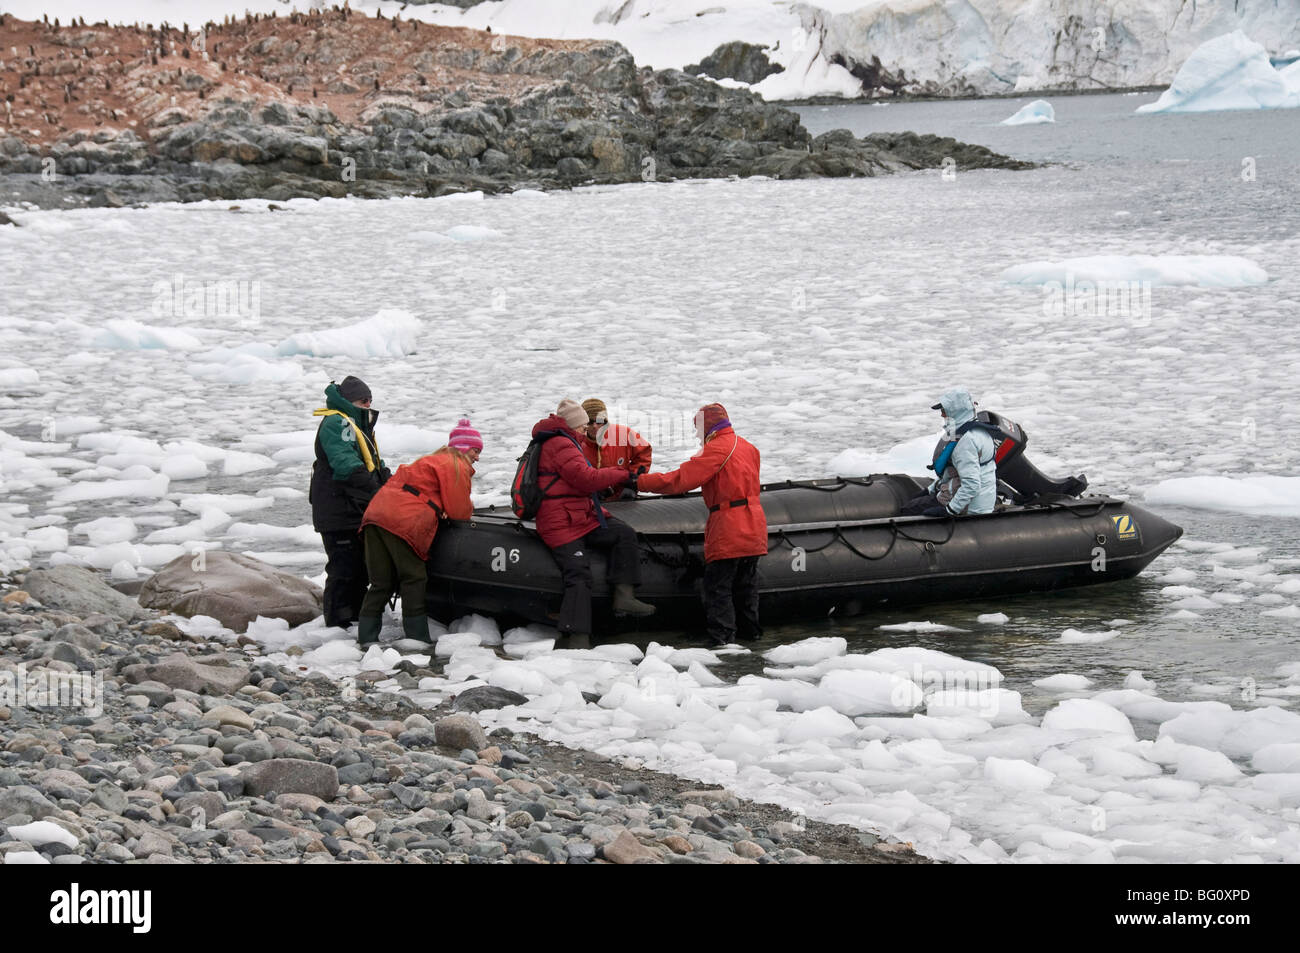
973 488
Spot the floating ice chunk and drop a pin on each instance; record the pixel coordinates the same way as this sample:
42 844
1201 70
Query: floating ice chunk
19 380
870 693
919 627
1136 682
910 457
151 488
1123 764
243 369
1179 592
1079 637
226 503
40 833
1289 587
1017 774
1238 734
1183 614
1287 612
1262 495
48 539
390 333
1063 683
107 529
702 675
122 571
473 233
1204 766
820 724
1039 111
1230 71
999 706
1196 602
238 463
124 334
1277 758
1086 714
993 618
807 651
1204 271
1177 577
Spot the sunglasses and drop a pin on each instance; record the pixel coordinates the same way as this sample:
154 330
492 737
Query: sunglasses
598 421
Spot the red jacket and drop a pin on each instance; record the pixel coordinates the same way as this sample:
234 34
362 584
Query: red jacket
727 470
568 512
619 446
402 504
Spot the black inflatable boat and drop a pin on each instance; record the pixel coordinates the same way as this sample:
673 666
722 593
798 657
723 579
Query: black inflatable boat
835 546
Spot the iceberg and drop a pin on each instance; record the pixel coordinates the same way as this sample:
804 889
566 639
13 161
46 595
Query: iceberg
1039 111
1229 72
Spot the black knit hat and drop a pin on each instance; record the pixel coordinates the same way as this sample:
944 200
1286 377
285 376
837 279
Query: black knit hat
354 389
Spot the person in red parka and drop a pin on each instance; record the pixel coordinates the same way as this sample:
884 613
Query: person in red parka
400 524
613 445
571 521
735 536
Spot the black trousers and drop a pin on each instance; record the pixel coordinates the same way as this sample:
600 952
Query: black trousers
731 599
394 568
575 566
345 577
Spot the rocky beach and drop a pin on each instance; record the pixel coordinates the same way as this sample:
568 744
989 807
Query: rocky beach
335 104
159 746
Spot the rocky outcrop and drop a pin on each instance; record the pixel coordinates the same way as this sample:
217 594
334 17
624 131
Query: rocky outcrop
233 589
81 592
744 62
330 104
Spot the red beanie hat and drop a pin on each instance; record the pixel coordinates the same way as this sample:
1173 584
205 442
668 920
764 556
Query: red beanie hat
465 437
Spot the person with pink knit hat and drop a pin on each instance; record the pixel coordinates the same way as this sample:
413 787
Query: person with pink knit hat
400 525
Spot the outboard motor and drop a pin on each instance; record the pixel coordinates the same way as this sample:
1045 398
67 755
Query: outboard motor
1018 479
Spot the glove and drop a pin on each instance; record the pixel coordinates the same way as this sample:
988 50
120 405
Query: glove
935 511
384 475
627 493
360 486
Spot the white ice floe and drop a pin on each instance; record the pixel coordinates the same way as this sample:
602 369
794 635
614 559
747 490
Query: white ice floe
390 333
1203 271
1229 72
1078 636
1264 495
40 833
1064 683
1039 111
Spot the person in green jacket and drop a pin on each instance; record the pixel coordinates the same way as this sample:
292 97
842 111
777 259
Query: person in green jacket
347 473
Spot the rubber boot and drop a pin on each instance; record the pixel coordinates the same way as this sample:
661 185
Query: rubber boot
368 627
416 627
626 603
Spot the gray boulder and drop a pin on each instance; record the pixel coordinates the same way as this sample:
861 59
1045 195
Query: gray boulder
81 592
291 776
484 697
460 732
178 670
233 589
24 799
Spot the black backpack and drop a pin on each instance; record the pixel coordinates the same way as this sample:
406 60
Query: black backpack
526 494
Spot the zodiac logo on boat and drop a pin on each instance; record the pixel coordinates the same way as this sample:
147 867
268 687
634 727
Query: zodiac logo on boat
1125 528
